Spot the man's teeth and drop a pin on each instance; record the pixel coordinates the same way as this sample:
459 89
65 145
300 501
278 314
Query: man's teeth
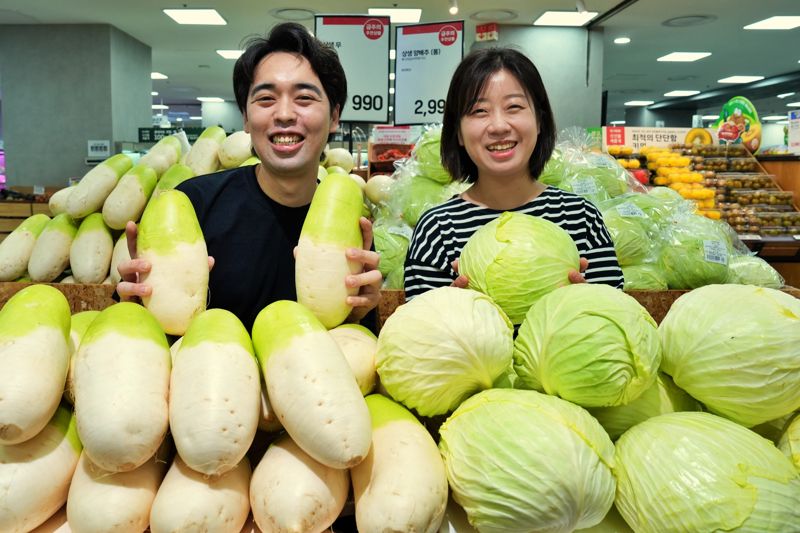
501 146
286 139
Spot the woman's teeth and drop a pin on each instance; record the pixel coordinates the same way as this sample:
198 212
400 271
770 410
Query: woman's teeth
501 146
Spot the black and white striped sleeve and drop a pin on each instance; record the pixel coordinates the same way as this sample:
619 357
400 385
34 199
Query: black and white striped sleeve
427 266
603 264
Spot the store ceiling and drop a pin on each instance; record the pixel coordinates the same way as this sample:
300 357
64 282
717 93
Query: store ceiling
187 53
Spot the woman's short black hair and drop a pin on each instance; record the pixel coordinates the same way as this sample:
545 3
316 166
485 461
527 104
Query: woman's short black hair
295 39
466 85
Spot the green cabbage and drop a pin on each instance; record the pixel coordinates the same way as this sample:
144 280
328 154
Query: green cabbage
416 194
391 242
516 259
442 347
736 348
644 277
427 154
662 397
630 234
520 461
590 344
554 170
697 472
696 252
612 523
751 270
789 442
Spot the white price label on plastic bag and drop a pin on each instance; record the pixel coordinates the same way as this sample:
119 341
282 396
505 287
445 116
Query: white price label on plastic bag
584 186
716 252
628 209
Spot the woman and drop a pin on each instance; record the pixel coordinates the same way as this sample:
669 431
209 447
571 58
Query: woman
498 132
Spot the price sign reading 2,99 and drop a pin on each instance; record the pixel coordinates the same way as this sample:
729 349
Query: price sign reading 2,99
427 56
362 43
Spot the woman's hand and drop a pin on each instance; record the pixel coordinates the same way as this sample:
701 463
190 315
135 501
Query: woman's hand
461 281
577 277
369 281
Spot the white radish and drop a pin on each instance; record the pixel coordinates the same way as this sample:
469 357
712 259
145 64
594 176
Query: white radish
189 501
121 386
50 254
93 189
162 155
339 157
16 248
126 202
109 502
215 393
378 188
34 357
330 229
35 475
359 180
90 253
171 240
78 326
58 201
359 346
174 176
68 280
203 157
310 385
402 484
292 493
57 523
235 149
119 254
268 422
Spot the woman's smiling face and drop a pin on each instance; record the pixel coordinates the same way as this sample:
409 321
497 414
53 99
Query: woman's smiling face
500 130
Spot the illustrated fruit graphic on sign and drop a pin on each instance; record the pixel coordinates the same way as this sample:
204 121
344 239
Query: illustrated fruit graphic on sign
738 123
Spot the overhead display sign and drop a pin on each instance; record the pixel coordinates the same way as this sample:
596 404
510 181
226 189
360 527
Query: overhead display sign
362 43
793 137
639 137
426 57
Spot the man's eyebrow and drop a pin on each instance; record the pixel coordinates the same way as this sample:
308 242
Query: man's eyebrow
297 87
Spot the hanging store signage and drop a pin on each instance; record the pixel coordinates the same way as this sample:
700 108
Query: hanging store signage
427 55
362 43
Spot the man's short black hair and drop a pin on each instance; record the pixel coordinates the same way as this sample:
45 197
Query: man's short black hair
295 39
466 85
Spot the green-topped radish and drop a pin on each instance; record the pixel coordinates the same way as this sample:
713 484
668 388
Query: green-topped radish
190 501
268 421
292 493
50 254
119 254
93 189
90 253
235 149
78 326
58 201
57 523
171 240
34 358
378 188
162 155
203 158
67 279
215 393
16 248
121 386
402 484
339 157
127 200
359 345
174 176
331 227
103 502
310 385
35 475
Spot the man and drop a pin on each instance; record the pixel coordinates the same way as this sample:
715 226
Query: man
290 89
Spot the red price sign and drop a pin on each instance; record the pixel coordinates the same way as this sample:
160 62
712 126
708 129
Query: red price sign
448 35
373 29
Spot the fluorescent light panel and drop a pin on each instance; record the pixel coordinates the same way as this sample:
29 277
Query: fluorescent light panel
782 122
617 122
639 103
775 23
793 104
196 118
785 95
740 79
159 106
710 117
622 40
197 17
158 76
774 117
686 57
397 15
153 93
230 54
215 99
564 18
681 93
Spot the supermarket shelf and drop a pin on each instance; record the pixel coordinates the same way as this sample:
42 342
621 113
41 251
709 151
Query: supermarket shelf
785 249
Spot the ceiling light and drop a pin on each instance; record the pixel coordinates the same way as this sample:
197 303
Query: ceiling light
397 15
617 122
793 104
179 119
158 76
159 106
740 79
622 40
153 93
453 7
230 54
202 17
392 53
775 23
710 117
774 117
564 18
392 76
681 93
639 102
785 95
684 56
215 99
783 122
196 118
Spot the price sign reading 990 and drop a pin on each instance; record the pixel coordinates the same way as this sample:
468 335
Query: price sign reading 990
367 102
427 56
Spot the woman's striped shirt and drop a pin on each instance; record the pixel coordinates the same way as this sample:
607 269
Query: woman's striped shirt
443 231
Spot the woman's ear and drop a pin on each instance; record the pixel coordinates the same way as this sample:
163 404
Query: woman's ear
334 119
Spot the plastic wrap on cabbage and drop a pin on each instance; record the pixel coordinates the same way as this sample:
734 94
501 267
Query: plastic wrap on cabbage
554 170
391 242
644 277
427 154
413 194
695 252
596 184
520 461
632 233
789 442
751 270
735 348
699 472
661 398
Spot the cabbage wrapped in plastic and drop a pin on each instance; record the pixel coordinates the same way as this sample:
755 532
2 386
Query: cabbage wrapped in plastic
695 253
699 472
442 347
590 344
516 259
644 277
630 230
520 461
427 154
554 170
391 242
752 270
662 397
736 348
412 195
789 442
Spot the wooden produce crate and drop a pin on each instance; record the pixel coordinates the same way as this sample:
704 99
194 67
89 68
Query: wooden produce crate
81 297
11 215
